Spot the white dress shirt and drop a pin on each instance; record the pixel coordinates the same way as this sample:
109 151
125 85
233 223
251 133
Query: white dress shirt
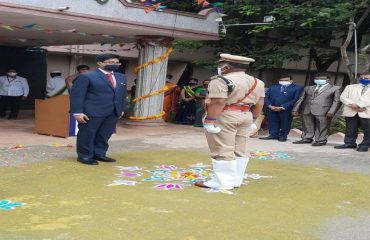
114 78
321 87
55 85
14 87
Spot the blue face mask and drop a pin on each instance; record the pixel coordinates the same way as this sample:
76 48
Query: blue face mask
111 67
320 82
364 81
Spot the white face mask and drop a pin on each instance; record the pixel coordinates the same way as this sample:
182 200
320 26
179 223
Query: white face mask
219 72
285 83
12 74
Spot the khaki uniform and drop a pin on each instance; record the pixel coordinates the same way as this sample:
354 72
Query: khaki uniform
231 141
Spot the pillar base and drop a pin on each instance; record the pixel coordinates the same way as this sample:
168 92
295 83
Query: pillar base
156 122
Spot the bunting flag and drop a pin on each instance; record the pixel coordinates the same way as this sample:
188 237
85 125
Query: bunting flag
204 4
35 27
7 27
151 5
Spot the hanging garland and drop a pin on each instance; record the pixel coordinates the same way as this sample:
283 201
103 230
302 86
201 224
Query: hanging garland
164 89
154 93
158 59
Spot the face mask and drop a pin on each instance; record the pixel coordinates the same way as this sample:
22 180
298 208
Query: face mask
320 81
285 83
364 81
219 72
111 67
12 74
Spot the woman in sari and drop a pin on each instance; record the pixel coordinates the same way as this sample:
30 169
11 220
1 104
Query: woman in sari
200 96
186 111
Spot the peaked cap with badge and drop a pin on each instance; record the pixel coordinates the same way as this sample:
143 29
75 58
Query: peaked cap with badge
225 57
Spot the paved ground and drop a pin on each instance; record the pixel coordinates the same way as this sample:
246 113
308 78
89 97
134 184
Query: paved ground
314 192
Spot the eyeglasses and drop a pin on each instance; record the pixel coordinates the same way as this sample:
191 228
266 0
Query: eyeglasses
112 62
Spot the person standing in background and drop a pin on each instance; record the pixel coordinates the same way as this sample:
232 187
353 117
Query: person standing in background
319 103
56 85
356 100
279 102
13 89
200 96
186 111
169 96
80 69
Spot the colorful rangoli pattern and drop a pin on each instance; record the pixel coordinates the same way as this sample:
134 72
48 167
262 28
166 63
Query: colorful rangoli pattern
165 177
9 205
262 155
171 177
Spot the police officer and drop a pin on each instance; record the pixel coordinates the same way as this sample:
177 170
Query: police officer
13 89
234 100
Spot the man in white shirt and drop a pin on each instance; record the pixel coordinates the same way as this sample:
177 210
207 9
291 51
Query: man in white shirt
318 105
56 85
13 89
356 100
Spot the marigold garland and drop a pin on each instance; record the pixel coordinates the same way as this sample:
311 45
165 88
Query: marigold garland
158 59
164 89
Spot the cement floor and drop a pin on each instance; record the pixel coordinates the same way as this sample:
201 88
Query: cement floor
313 192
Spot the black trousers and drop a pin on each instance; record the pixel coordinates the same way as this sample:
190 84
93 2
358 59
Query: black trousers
14 103
352 126
93 136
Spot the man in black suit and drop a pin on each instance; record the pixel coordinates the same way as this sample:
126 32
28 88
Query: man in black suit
97 102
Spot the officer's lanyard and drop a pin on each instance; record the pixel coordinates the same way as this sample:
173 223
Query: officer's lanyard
11 81
248 93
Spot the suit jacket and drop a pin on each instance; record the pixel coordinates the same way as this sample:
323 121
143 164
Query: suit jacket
285 99
352 94
93 95
326 101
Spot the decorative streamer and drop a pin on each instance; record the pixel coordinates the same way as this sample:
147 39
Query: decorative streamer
164 89
158 59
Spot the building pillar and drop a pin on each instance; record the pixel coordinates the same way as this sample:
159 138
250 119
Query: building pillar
151 78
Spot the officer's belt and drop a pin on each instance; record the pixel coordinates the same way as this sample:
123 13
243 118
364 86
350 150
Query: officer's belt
237 107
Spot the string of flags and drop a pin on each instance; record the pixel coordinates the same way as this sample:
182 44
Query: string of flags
154 5
205 4
99 50
33 26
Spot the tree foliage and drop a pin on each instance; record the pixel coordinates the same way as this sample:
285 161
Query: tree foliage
301 28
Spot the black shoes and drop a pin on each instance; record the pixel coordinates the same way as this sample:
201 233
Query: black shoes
282 139
269 138
346 145
87 161
104 159
362 149
317 144
95 159
302 141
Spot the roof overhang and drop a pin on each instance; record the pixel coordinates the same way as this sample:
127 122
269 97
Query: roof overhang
115 22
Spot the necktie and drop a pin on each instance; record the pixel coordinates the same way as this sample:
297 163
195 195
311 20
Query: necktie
111 81
364 89
317 90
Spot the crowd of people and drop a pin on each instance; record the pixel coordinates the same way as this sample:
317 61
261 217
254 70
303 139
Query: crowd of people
318 105
226 106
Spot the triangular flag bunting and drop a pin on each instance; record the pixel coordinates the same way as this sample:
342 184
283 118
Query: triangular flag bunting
29 26
7 27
